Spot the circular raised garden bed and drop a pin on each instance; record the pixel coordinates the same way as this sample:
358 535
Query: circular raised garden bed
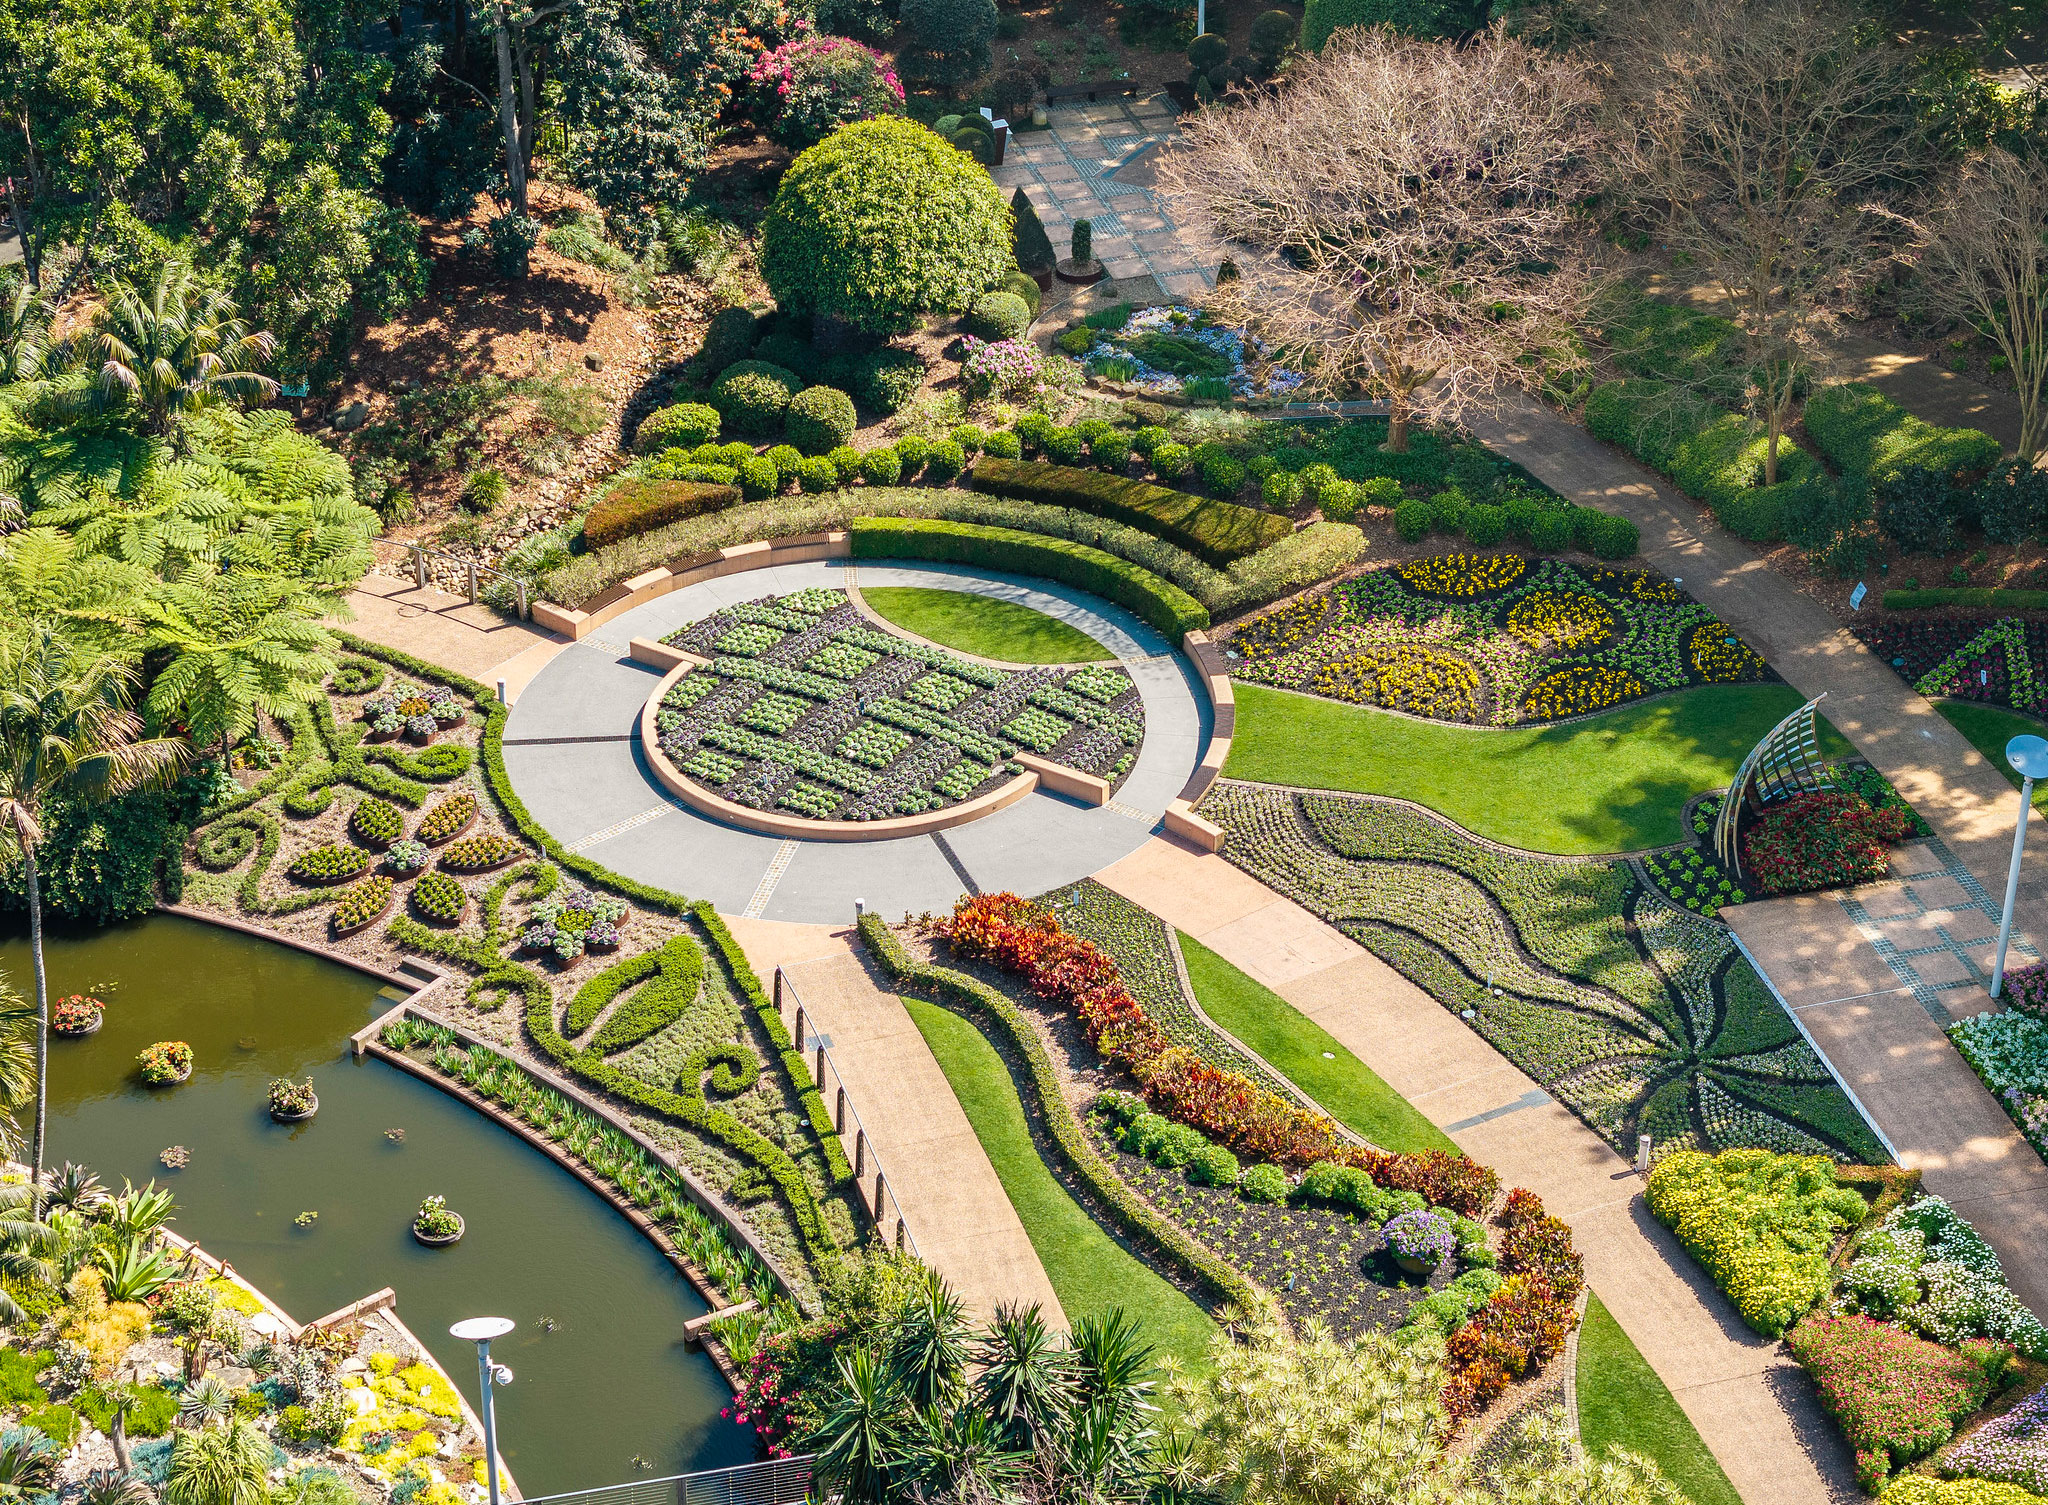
77 1016
79 1032
1080 273
440 1240
296 1118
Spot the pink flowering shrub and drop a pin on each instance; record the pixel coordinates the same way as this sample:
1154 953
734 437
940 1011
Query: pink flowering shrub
2026 989
811 86
1003 368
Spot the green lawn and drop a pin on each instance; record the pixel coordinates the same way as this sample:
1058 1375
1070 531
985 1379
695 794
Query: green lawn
1989 728
1089 1270
1623 1404
984 626
1615 783
1302 1051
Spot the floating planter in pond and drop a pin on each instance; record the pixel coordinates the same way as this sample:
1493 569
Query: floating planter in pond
166 1063
80 1014
293 1102
436 1226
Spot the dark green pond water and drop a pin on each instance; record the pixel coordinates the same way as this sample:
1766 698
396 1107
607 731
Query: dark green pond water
610 1384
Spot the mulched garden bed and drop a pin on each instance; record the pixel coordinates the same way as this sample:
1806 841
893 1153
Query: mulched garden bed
1997 660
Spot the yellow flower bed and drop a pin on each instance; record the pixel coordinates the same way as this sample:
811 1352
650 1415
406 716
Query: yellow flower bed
1918 1489
1581 688
414 1402
1720 656
1416 680
233 1297
1560 618
1464 575
1639 584
1282 631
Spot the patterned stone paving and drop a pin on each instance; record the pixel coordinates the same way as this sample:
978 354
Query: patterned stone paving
1081 167
1936 928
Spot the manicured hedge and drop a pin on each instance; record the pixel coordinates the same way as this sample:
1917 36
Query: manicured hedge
637 505
1973 596
1215 531
1159 603
1865 433
1016 1037
1716 457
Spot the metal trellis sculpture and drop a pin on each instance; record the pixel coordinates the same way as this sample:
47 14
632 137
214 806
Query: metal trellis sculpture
1786 762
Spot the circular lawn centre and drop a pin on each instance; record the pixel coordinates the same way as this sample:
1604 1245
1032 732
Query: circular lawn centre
983 626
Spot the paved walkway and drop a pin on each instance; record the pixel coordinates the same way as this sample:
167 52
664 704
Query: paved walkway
449 631
571 752
952 1199
1750 1401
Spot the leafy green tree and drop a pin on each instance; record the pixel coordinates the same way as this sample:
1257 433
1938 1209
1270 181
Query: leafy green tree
66 728
236 644
219 1466
174 349
881 222
949 39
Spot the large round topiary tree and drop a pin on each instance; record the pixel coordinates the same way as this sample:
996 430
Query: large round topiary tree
880 222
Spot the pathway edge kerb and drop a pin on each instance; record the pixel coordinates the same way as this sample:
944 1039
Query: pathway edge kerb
1814 1045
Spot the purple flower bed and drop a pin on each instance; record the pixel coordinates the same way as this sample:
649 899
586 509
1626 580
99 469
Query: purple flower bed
2026 989
2013 1449
1983 658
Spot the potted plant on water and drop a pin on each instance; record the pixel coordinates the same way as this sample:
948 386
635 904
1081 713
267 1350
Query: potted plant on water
436 1226
293 1102
166 1063
80 1014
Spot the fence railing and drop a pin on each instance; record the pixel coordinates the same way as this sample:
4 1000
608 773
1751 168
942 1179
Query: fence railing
779 1481
881 1204
458 577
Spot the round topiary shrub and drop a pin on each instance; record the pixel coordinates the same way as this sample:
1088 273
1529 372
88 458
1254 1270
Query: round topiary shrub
1339 500
728 338
1170 460
819 419
1223 474
1485 526
845 459
1612 538
999 316
1111 451
759 479
881 466
886 380
1064 446
784 457
913 452
945 125
880 222
752 396
945 462
816 474
1280 489
971 437
1024 287
1148 438
1208 51
1550 532
1004 444
1272 34
981 148
1413 519
681 425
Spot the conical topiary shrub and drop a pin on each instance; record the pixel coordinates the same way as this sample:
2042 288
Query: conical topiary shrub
1034 246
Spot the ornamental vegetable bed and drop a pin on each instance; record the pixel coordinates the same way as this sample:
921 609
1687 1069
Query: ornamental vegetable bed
1640 1016
806 707
1495 639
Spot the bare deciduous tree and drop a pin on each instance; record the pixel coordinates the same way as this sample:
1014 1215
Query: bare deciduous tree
1981 248
1752 136
1415 203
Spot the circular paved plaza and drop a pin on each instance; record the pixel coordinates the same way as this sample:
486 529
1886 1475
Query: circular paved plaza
573 754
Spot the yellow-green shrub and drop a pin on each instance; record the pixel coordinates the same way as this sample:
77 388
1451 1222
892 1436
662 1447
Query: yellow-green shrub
1761 1225
1918 1489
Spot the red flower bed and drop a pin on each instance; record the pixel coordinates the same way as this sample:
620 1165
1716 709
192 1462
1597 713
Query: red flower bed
1523 1324
1822 840
1076 974
1897 1396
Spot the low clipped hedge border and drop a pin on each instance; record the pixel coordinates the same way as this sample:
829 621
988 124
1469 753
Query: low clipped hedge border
803 1205
1865 433
1159 603
1216 532
1217 1279
1988 597
638 505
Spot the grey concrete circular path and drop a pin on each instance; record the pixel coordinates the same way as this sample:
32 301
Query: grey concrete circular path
572 752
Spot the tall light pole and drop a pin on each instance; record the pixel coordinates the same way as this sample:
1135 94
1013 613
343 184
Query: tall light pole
480 1331
2029 759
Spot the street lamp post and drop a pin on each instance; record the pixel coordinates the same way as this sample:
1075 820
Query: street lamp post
480 1331
2029 759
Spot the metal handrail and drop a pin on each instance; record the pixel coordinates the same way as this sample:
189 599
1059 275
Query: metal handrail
457 576
843 1110
778 1481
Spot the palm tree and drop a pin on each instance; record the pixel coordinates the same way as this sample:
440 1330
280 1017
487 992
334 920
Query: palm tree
862 1442
930 1350
65 729
238 643
220 1466
24 334
25 1249
1027 1377
175 348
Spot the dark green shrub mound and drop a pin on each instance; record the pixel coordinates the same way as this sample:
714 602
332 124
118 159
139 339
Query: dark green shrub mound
1159 602
1024 287
1417 18
1208 52
376 823
1918 509
819 419
681 425
1183 357
886 380
753 395
1272 34
948 40
789 351
330 864
1865 433
881 222
978 146
1215 531
728 339
636 505
999 316
2011 503
439 898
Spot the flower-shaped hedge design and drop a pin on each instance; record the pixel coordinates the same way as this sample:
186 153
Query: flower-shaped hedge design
1640 1016
808 708
1493 639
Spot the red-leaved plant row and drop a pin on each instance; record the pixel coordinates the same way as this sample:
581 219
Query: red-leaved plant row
1823 840
1521 1325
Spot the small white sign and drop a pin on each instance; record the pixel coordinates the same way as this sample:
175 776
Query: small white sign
1856 596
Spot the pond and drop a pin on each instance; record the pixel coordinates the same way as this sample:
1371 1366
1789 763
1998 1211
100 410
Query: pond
604 1389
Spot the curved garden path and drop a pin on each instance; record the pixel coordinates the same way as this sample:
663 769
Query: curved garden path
1751 1403
1882 1035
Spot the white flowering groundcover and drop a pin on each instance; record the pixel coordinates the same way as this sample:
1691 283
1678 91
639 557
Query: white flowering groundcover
1242 360
808 707
2009 1052
1641 1017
